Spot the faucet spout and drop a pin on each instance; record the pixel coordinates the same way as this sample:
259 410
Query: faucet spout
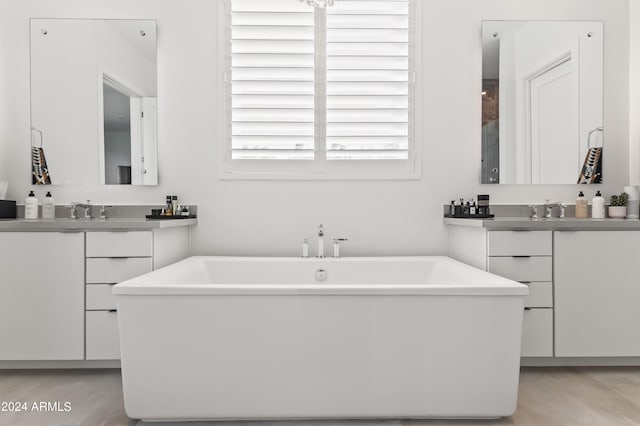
321 241
548 206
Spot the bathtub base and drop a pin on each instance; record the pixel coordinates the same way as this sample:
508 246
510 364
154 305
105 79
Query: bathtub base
232 357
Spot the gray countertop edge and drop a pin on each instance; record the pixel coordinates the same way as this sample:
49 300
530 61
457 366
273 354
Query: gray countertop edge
79 225
554 224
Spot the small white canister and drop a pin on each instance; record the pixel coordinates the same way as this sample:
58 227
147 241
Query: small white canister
633 206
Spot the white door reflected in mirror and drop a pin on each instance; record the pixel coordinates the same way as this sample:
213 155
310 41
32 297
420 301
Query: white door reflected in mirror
93 101
542 98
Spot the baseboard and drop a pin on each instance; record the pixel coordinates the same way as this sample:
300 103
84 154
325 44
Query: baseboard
580 361
39 365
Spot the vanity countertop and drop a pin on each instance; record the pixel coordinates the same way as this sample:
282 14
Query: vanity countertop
553 224
111 224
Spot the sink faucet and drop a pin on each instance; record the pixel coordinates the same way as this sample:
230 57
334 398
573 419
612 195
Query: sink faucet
548 208
534 211
321 241
86 207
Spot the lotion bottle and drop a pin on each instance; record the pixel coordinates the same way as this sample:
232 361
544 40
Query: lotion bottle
597 206
31 207
581 206
48 207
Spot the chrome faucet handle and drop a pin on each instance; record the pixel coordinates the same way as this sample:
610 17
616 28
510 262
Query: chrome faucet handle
305 248
336 246
321 230
73 210
534 211
103 212
563 210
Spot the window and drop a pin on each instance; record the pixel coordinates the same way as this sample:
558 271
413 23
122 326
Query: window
320 89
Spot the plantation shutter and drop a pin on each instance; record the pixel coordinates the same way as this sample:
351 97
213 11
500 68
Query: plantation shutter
272 79
368 80
360 60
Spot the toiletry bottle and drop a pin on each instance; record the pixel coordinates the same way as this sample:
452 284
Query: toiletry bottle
31 207
597 206
185 211
168 211
48 207
633 205
472 208
581 206
174 205
452 208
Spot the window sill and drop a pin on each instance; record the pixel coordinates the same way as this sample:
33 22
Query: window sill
304 171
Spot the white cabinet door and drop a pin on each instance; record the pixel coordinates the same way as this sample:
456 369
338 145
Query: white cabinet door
41 296
597 293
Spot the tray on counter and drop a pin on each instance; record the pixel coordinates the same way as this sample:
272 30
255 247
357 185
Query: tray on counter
150 216
470 216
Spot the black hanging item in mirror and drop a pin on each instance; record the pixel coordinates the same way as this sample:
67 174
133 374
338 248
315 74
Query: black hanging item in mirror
592 168
39 170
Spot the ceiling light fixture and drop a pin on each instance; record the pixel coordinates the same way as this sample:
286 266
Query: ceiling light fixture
319 3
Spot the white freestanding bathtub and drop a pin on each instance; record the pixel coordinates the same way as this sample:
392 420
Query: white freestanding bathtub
213 338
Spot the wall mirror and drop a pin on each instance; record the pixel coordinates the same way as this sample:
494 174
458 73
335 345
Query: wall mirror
93 102
542 102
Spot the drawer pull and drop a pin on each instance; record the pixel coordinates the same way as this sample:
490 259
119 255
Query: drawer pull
521 257
112 311
527 309
525 282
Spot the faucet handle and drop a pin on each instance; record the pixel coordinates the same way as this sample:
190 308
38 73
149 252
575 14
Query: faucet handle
305 247
103 211
73 209
534 211
336 246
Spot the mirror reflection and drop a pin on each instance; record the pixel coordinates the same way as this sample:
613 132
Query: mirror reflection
542 97
93 102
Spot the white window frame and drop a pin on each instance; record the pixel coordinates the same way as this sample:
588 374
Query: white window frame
319 168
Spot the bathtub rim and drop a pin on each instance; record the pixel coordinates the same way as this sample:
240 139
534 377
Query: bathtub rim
498 286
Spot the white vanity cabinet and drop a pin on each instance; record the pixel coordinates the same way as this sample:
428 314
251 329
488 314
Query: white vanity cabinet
583 277
524 256
113 257
597 293
41 296
56 303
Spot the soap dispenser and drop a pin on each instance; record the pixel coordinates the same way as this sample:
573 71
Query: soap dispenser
597 206
48 207
31 207
581 206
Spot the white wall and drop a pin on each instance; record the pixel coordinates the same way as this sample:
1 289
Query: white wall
248 217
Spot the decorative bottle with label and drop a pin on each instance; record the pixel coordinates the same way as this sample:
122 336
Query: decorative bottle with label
597 206
581 206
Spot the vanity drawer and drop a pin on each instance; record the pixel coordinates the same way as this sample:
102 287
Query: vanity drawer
540 295
114 270
514 243
537 332
100 296
102 338
522 268
120 244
